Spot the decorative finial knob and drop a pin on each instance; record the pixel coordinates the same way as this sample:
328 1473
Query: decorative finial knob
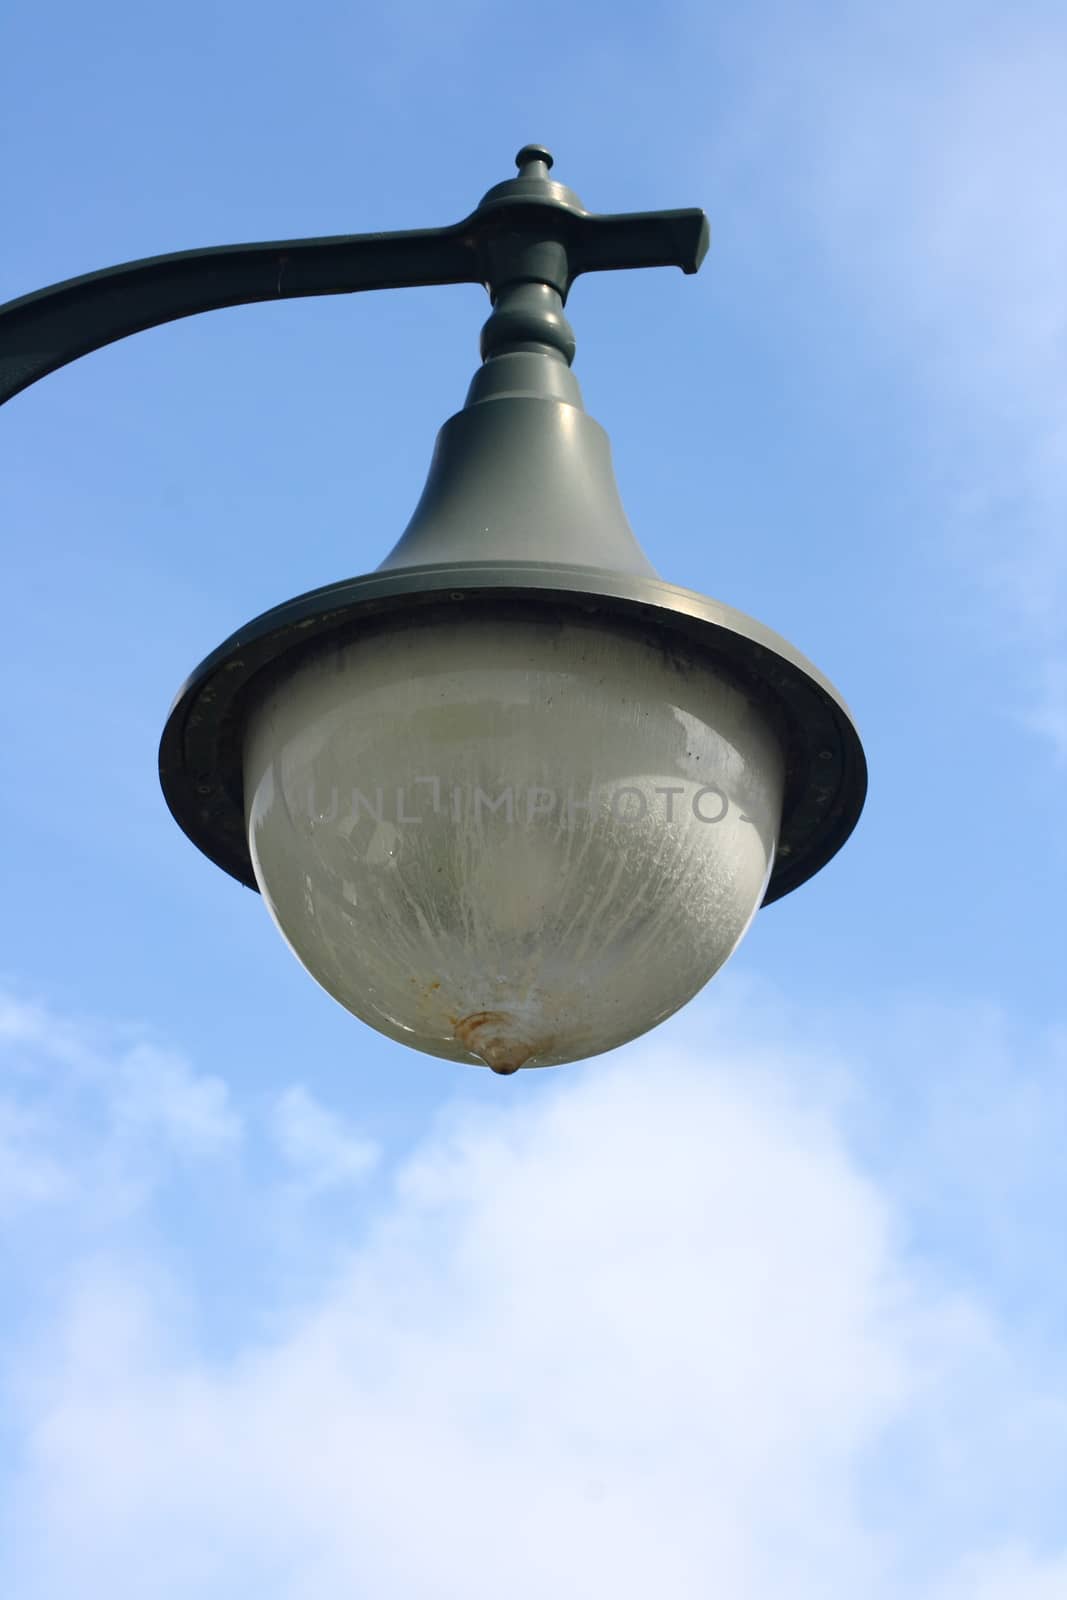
531 153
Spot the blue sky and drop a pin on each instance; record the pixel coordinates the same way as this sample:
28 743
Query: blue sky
772 1300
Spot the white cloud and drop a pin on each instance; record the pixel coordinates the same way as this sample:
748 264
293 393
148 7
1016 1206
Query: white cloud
98 1113
156 1092
28 1175
321 1149
645 1327
1008 1574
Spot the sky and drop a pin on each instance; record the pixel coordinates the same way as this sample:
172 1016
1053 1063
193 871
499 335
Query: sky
771 1300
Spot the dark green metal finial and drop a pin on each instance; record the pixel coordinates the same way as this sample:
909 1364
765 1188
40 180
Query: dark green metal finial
528 273
533 153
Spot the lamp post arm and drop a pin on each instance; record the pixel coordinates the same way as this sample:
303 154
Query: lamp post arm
44 331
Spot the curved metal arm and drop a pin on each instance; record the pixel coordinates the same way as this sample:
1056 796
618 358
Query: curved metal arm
44 331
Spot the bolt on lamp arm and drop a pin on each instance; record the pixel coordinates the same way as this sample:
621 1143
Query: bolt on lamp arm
528 229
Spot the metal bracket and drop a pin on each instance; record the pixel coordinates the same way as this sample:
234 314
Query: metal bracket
496 244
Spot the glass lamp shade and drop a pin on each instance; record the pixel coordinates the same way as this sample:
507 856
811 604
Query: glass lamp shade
511 839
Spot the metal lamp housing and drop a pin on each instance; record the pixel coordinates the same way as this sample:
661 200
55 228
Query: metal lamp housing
512 798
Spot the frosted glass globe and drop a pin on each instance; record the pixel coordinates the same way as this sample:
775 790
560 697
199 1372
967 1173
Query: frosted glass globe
511 839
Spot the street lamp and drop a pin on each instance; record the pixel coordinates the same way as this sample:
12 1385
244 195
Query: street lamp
510 798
